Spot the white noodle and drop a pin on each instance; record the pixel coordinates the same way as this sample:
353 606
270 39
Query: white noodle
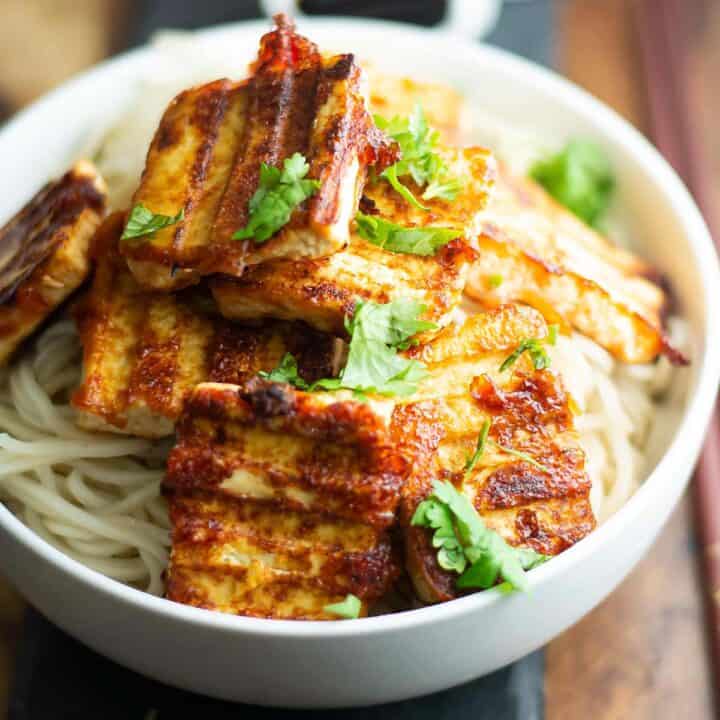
88 494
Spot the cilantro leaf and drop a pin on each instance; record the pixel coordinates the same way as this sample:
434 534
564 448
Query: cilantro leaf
377 331
399 239
392 323
279 192
466 546
349 608
145 222
444 188
479 449
524 456
391 175
419 159
578 177
534 348
286 371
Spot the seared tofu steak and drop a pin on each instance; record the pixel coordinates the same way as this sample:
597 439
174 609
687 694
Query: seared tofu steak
281 500
143 351
206 160
533 250
529 483
323 291
44 252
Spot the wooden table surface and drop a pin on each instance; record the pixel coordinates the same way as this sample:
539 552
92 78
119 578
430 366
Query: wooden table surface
640 655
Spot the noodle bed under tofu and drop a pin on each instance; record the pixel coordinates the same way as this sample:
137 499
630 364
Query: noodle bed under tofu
280 501
44 252
206 156
143 352
532 250
542 503
323 291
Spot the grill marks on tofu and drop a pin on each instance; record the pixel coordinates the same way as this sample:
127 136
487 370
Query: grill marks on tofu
144 351
530 413
281 500
44 252
549 259
323 291
254 558
309 451
206 155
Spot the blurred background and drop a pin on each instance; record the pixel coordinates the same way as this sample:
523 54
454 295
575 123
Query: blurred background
645 653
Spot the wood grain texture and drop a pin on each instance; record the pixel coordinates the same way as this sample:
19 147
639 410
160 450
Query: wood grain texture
43 42
640 655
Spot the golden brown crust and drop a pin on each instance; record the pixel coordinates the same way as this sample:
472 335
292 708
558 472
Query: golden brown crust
206 155
44 252
549 259
308 451
280 500
530 413
322 291
257 559
144 351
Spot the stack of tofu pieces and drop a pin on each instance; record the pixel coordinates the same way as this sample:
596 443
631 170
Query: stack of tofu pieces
283 501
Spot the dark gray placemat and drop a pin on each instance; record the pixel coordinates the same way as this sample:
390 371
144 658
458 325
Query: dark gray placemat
58 679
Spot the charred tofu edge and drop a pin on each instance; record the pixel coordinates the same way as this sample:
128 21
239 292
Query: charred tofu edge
46 248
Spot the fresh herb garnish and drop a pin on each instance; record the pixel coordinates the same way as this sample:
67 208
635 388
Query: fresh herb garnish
466 546
377 332
524 456
279 193
419 159
399 239
145 222
287 372
534 348
479 448
349 608
494 281
580 178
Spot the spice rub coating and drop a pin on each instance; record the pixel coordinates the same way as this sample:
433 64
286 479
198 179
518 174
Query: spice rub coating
281 500
206 156
145 351
44 252
323 291
542 503
259 559
532 250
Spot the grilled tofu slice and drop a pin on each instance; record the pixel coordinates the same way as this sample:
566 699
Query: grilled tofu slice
44 252
206 155
392 95
143 352
281 500
324 290
311 452
544 509
259 559
532 250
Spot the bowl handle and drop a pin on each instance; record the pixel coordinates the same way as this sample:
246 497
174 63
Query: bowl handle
472 19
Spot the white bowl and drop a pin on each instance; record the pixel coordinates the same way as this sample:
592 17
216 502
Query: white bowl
303 664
